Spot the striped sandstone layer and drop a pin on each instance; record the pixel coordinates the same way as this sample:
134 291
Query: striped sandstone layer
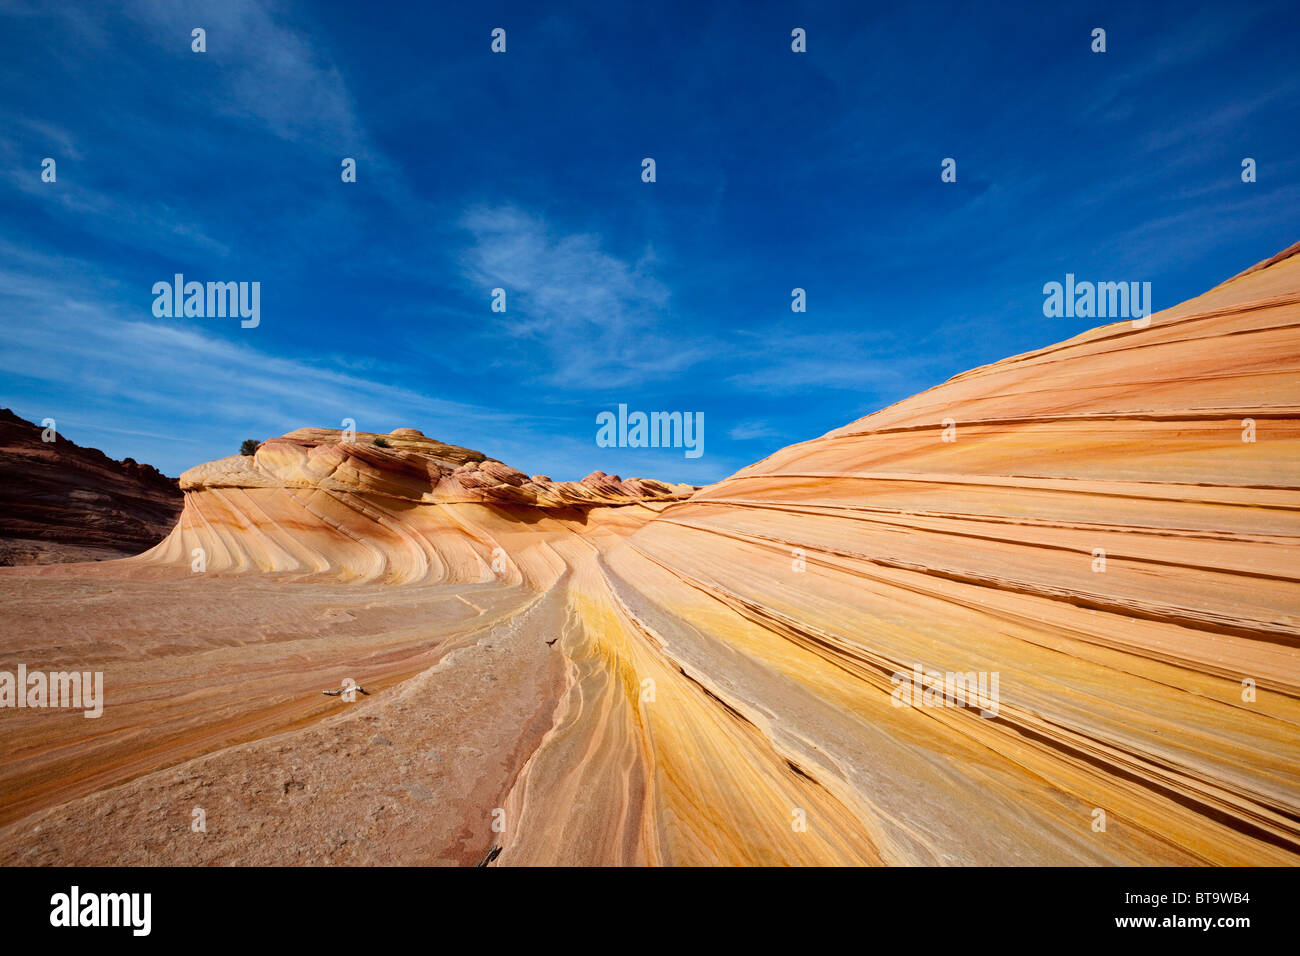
312 501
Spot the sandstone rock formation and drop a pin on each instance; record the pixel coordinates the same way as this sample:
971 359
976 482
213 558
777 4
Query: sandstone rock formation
61 502
1105 527
312 501
1112 529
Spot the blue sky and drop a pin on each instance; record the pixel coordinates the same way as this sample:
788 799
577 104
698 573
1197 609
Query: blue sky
522 170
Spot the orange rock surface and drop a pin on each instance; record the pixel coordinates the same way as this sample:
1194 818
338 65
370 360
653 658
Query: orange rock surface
613 672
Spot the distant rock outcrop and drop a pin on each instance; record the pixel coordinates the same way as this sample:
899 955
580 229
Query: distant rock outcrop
60 502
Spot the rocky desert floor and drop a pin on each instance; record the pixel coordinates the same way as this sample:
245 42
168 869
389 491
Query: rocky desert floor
462 686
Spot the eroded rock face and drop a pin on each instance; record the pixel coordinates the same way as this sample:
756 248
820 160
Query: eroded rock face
313 501
744 676
60 502
413 468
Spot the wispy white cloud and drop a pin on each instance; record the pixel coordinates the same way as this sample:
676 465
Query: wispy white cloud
270 72
153 226
60 141
749 430
1197 231
1211 122
1178 43
598 318
872 363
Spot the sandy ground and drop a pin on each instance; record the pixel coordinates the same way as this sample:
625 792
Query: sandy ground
201 664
